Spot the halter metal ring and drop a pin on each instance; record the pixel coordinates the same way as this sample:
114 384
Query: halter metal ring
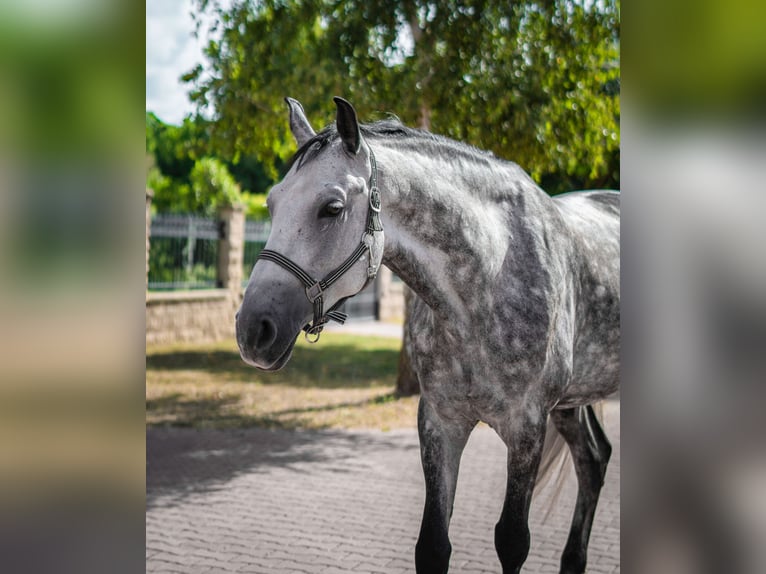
312 333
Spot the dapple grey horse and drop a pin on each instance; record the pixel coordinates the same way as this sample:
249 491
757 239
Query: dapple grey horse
517 318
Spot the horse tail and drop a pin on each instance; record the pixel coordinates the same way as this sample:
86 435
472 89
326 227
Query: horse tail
555 466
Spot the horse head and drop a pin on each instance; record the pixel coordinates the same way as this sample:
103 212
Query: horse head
325 244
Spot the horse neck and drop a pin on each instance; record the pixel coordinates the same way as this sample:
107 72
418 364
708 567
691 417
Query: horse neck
448 225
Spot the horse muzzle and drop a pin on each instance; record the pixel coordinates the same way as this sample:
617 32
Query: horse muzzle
261 343
265 339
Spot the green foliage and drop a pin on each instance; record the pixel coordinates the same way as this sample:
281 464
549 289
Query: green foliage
249 173
188 175
255 205
170 196
536 82
213 186
157 182
163 268
176 148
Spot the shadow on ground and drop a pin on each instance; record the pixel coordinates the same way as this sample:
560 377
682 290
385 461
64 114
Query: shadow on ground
221 412
185 462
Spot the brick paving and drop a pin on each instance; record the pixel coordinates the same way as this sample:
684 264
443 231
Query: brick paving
340 502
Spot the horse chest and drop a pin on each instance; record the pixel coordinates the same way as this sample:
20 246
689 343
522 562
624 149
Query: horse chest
470 380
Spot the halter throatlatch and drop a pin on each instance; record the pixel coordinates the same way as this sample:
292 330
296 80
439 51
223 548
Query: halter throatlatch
315 289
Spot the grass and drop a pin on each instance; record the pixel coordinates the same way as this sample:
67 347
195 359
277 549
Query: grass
344 381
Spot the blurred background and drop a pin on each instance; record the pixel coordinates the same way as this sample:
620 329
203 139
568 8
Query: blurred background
541 83
71 304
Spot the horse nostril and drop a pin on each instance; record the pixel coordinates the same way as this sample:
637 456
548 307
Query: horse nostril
266 335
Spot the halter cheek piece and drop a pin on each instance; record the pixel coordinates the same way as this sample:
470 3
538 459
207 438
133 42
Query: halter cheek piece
315 289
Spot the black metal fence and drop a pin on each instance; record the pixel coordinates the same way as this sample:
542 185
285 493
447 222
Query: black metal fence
183 252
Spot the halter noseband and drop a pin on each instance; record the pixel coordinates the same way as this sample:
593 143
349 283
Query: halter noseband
315 289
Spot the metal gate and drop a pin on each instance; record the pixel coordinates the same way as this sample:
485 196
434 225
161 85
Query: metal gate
183 253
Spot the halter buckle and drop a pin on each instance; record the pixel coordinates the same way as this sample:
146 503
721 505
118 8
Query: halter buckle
367 241
314 292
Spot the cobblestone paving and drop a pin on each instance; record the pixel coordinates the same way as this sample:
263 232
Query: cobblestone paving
340 502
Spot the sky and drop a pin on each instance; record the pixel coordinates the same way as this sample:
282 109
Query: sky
171 51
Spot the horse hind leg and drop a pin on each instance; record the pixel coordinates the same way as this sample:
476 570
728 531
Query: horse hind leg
590 452
441 445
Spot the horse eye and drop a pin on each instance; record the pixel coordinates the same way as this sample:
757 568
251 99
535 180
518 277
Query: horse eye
332 209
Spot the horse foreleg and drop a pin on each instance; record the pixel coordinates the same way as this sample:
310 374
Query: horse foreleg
590 451
441 445
525 446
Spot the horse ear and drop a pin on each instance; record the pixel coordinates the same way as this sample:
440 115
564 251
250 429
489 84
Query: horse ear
348 126
299 125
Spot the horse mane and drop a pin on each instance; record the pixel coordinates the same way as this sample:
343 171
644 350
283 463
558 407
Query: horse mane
413 139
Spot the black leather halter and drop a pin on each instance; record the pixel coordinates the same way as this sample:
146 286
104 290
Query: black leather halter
315 289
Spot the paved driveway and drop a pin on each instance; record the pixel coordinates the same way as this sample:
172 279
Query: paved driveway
271 502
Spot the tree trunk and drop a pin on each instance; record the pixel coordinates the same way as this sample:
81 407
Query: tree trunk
406 381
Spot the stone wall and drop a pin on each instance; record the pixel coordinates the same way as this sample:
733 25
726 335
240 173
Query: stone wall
190 316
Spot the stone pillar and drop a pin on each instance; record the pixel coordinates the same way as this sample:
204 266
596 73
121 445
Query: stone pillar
231 249
149 196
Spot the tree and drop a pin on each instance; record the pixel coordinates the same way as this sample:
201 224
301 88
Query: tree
535 81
